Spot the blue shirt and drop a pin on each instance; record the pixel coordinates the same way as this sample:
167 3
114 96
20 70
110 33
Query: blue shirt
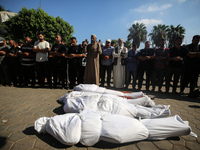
107 52
131 64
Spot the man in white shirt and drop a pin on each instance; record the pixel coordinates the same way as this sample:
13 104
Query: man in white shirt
119 54
42 47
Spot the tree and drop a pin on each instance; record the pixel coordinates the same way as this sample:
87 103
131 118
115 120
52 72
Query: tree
174 32
138 33
128 44
158 32
2 8
29 22
115 42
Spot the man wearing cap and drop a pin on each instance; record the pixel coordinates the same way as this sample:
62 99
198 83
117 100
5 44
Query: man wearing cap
119 54
4 73
92 66
106 62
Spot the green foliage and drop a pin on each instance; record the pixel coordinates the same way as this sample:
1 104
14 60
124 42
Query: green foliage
174 32
2 8
29 22
137 33
115 42
128 44
158 33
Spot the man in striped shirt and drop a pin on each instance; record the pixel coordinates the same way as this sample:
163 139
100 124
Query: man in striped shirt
28 62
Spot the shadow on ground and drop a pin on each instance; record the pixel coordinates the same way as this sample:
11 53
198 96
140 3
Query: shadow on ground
59 110
2 141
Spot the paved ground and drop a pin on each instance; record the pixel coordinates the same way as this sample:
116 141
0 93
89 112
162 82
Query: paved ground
20 107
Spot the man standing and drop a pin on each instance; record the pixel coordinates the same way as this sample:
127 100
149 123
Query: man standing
28 62
131 66
84 60
119 54
146 56
59 65
106 62
75 60
93 51
14 64
42 48
192 65
177 54
4 73
161 59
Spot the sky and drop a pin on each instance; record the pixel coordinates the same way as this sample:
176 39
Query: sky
111 19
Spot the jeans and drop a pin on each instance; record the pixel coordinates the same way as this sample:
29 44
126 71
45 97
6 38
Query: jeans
128 78
103 72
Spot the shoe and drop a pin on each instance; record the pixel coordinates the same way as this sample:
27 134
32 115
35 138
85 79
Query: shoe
153 90
33 85
175 92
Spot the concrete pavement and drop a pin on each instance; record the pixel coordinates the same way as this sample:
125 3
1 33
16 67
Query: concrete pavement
20 107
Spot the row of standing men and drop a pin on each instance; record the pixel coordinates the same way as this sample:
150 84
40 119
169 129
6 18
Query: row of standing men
180 62
18 65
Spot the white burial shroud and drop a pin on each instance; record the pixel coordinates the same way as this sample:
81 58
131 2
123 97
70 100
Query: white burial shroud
96 89
113 105
89 126
143 101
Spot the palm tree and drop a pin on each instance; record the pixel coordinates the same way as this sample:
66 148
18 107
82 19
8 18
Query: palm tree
128 44
174 32
158 33
138 33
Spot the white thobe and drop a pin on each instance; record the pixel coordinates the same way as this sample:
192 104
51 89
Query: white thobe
119 70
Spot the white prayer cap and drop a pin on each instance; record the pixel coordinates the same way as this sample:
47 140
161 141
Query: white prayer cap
2 39
94 35
102 44
120 39
108 40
